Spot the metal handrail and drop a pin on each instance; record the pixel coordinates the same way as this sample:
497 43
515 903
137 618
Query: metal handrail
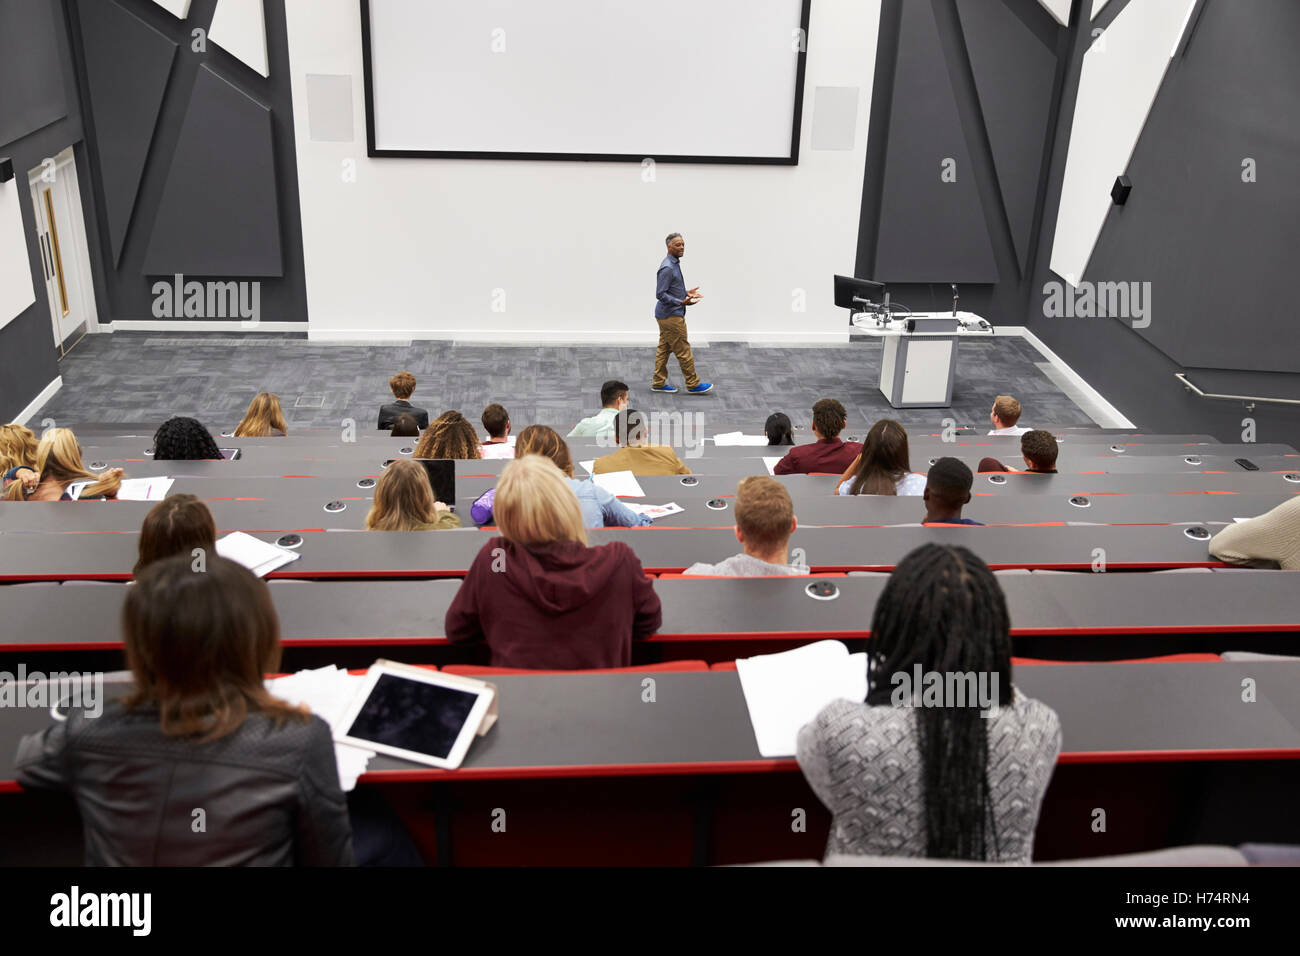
1250 400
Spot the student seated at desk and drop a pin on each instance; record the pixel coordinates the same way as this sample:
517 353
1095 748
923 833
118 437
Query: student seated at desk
1004 415
405 427
778 429
947 491
264 418
496 420
18 445
764 522
184 439
912 772
449 435
1039 448
828 454
1270 541
600 509
402 385
539 596
199 730
613 399
884 467
179 524
58 465
631 430
404 501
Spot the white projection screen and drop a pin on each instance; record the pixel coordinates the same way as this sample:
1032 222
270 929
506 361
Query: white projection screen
674 80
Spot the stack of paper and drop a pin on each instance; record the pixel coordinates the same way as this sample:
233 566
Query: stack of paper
620 483
656 511
327 692
787 690
144 489
738 438
258 556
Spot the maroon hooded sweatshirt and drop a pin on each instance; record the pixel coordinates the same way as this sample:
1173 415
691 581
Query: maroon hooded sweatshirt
565 607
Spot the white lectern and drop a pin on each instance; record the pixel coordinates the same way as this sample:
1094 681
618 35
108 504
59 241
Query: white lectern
919 356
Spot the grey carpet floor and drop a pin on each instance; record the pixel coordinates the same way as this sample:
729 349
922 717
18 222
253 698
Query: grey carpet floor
141 377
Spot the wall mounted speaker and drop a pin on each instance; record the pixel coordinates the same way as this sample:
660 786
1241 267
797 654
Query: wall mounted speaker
835 117
6 170
1119 192
329 107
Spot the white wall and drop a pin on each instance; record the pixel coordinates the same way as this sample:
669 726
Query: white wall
416 248
16 289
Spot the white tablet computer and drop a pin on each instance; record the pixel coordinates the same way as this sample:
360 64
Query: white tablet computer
417 714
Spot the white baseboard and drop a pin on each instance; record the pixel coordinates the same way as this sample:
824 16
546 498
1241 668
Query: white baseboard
39 401
200 325
1103 412
501 337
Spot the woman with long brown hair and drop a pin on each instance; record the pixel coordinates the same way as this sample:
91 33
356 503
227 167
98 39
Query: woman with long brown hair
450 435
58 465
199 730
176 525
404 501
884 466
263 419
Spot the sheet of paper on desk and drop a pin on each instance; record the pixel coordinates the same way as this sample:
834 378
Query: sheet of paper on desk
144 489
253 553
738 438
771 464
656 511
587 466
327 692
622 484
787 690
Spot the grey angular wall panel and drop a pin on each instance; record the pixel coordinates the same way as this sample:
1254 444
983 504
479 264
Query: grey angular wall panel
127 63
929 230
1218 251
1014 72
31 81
219 214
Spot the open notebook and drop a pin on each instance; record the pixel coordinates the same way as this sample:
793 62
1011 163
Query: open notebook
787 690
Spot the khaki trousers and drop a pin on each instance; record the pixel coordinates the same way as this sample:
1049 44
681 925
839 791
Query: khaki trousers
672 338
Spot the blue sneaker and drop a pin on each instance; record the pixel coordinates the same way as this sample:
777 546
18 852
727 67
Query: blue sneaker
665 387
701 388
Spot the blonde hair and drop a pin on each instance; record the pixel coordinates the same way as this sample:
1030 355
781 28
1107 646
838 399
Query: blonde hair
450 435
263 415
543 440
58 459
764 511
403 499
17 447
1007 409
535 505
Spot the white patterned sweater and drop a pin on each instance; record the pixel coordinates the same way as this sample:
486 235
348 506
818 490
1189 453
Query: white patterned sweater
864 764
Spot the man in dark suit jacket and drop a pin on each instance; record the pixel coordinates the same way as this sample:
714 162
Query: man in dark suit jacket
402 384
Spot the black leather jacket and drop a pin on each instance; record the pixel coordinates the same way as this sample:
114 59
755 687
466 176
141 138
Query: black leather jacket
269 795
388 415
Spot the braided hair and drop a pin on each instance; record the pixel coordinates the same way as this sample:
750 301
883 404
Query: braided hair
944 610
450 435
183 439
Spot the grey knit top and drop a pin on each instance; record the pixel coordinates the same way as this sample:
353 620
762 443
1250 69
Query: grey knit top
864 764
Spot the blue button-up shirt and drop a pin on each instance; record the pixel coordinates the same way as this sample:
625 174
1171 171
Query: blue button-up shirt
670 288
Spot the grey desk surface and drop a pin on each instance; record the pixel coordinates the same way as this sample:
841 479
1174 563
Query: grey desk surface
557 723
449 553
306 511
390 613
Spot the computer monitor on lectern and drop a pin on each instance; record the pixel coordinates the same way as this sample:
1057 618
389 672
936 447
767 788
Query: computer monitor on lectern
854 294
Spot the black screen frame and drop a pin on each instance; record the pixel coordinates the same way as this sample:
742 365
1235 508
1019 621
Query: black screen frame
791 160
